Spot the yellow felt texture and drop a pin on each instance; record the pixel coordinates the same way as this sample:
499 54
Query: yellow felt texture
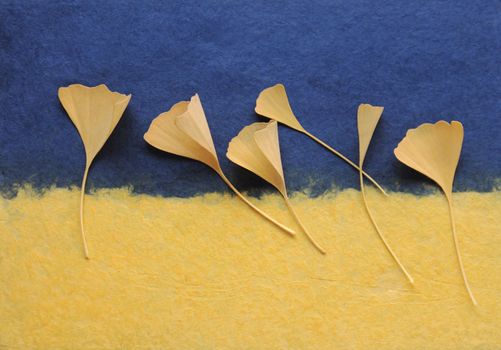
207 273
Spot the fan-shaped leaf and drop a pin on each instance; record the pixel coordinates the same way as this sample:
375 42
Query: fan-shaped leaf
183 130
367 119
273 103
95 111
256 149
434 151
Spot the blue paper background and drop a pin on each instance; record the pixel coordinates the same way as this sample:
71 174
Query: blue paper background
423 61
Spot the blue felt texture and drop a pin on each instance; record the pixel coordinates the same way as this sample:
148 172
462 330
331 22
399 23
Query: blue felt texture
423 61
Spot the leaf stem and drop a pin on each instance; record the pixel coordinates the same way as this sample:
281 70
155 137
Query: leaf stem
394 256
262 213
340 155
458 253
296 217
82 194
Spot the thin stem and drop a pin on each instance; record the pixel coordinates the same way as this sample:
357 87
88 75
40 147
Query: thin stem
82 194
310 237
230 185
456 244
394 256
346 160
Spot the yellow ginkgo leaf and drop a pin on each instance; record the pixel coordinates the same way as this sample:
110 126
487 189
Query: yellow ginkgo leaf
95 111
434 151
167 133
273 103
367 119
183 130
261 157
256 148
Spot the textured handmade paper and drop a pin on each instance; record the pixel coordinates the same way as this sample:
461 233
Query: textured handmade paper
229 279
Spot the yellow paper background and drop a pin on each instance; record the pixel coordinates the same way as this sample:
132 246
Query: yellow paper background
209 273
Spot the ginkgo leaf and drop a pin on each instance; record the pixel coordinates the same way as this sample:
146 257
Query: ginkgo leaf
184 131
95 111
261 157
273 103
367 119
256 148
434 151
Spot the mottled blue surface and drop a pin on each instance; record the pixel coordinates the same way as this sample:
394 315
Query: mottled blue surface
423 61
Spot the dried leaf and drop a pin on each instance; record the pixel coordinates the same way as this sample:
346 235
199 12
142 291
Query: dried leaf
434 151
256 148
367 119
183 130
95 111
273 103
